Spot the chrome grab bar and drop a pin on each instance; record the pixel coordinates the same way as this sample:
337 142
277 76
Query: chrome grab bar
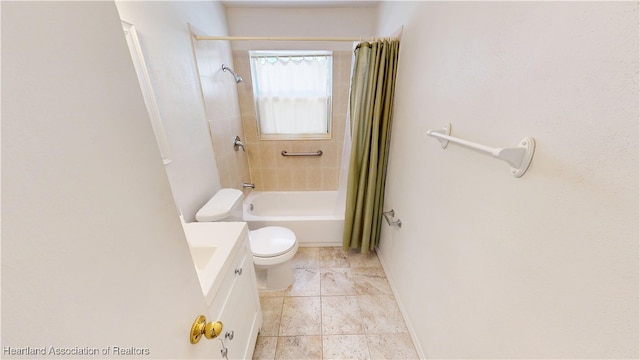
389 215
286 153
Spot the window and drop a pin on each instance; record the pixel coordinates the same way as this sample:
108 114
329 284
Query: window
292 93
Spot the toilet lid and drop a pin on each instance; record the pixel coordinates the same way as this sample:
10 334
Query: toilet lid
271 241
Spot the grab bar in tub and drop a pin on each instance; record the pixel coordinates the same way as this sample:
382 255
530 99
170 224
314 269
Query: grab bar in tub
286 153
388 215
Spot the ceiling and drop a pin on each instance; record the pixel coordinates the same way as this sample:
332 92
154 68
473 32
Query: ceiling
299 3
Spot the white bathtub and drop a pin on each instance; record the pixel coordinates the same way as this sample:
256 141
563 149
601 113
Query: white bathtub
316 217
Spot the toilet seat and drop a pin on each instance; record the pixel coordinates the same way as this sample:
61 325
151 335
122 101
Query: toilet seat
271 241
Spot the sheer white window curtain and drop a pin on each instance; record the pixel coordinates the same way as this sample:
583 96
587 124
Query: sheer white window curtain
292 93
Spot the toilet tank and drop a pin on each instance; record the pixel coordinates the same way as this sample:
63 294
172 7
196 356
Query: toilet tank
225 205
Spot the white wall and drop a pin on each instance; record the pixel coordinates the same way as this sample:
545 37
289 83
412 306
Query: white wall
163 29
300 22
487 265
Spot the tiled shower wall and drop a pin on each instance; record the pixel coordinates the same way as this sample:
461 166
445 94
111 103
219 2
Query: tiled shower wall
270 171
220 96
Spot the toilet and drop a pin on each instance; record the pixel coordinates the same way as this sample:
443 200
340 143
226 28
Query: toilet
273 247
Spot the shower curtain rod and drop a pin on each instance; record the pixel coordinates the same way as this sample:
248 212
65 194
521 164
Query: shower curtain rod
276 38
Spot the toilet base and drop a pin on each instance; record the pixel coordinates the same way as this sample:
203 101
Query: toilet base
278 277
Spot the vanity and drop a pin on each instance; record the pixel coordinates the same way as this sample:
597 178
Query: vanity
223 260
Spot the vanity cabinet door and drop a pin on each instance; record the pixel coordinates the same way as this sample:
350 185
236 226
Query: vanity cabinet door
239 308
241 316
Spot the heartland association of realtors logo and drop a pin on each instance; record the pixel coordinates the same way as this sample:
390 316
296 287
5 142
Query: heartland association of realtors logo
74 351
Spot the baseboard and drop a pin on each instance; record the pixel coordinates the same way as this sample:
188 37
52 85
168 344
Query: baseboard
320 244
412 333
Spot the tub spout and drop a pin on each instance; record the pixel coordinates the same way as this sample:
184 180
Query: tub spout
248 185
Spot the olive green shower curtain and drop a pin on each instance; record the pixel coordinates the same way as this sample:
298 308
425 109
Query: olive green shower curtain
372 88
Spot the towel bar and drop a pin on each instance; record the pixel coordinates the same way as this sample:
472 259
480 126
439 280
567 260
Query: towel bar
518 157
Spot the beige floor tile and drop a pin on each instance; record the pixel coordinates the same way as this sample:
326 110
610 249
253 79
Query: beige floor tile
340 307
306 283
265 348
343 347
336 282
271 293
391 346
271 315
357 259
371 281
306 258
333 257
380 314
299 347
301 316
341 315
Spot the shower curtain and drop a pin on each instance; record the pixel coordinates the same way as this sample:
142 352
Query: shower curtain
370 108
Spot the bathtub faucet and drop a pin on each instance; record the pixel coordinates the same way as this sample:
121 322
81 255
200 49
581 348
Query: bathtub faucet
248 185
237 143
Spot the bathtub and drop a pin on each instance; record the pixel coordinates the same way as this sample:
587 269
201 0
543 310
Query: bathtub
316 217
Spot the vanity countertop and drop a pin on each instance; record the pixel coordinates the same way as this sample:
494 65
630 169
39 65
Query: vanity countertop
219 241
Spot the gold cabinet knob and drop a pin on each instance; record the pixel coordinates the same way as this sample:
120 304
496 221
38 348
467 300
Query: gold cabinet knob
200 327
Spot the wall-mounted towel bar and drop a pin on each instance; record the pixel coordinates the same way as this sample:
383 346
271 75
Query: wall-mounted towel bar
389 215
518 157
286 153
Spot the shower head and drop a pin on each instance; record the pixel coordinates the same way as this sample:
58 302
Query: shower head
237 77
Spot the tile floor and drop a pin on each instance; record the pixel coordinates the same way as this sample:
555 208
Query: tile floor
339 307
